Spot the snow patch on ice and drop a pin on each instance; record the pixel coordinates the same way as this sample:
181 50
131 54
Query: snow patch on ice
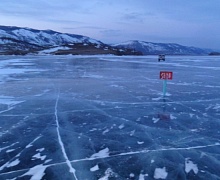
172 117
131 175
13 163
217 107
40 150
203 154
132 133
38 156
108 173
37 172
167 94
22 64
29 145
92 76
141 176
191 115
121 126
3 148
10 164
138 119
47 161
160 173
194 130
95 168
157 99
155 120
106 131
140 142
189 165
93 129
116 86
101 153
10 150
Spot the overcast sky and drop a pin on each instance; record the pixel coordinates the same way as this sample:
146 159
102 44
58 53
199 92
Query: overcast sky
186 22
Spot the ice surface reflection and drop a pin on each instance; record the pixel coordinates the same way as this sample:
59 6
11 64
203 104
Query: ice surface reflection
105 117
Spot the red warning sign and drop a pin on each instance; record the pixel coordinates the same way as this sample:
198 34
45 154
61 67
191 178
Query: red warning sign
168 75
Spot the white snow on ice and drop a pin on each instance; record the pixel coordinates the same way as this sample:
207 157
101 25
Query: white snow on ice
3 148
101 153
108 173
172 117
10 150
190 166
37 172
132 133
14 163
104 132
160 173
40 150
155 120
10 164
142 176
132 175
121 126
38 156
95 168
140 142
217 107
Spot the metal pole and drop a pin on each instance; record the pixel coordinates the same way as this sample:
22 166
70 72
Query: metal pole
164 87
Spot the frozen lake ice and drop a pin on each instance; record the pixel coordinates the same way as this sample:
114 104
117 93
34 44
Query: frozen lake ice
104 117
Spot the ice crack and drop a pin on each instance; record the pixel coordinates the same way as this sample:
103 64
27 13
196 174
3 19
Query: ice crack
72 170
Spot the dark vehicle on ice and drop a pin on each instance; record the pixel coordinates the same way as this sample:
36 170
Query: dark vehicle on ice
161 57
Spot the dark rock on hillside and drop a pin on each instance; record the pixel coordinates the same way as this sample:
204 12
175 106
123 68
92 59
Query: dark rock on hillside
214 54
17 47
93 49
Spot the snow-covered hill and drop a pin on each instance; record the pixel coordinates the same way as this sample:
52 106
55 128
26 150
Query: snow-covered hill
42 37
17 40
162 48
21 41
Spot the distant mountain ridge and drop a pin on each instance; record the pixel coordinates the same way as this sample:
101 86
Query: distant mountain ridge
21 41
150 48
43 37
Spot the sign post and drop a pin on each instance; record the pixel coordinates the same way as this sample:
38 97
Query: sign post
164 87
165 75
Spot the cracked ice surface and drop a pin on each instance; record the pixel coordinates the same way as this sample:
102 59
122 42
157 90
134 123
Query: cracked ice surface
104 117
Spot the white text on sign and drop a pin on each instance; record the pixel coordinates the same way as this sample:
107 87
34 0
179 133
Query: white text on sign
167 75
